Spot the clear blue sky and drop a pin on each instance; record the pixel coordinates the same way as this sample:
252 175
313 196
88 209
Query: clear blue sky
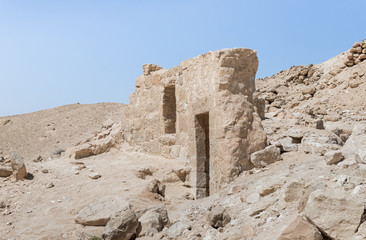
55 53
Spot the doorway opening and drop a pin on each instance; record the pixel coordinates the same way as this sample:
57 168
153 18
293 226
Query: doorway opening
202 155
169 109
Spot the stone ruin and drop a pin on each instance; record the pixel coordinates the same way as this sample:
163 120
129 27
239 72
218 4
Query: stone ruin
356 54
202 112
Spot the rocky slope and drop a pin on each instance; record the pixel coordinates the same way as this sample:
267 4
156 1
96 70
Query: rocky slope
309 183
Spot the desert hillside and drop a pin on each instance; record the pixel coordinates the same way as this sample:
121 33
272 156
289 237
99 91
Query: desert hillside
308 182
46 133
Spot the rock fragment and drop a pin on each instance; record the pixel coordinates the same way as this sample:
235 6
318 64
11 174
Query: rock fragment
175 230
95 175
123 225
333 157
99 213
143 172
5 171
18 166
266 156
155 186
355 146
218 217
334 214
301 229
154 220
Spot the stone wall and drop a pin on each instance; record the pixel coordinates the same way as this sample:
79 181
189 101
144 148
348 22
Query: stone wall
356 54
201 112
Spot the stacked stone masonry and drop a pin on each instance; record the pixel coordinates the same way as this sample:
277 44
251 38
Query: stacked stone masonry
356 54
202 112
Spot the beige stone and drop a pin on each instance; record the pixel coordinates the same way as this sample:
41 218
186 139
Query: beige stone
156 218
155 186
218 217
294 191
18 166
333 213
205 106
5 171
333 157
355 146
123 225
266 156
148 68
99 213
300 229
363 56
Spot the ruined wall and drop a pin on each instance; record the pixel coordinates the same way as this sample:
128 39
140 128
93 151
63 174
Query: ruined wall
214 89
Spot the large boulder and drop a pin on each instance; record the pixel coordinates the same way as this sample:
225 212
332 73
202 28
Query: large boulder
301 229
266 156
355 146
336 215
18 166
153 220
99 213
122 226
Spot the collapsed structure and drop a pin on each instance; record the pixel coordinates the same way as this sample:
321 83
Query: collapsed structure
202 112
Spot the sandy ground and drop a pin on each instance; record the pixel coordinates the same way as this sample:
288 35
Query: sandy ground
38 212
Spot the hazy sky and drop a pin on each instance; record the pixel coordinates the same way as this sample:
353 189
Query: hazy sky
55 53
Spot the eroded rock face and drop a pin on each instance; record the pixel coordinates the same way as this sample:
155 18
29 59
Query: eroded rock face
99 213
334 214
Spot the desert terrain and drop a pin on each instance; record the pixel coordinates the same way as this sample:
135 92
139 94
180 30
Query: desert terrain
82 179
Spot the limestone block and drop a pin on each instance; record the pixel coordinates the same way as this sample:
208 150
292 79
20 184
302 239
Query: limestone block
355 146
148 68
18 166
218 217
99 213
301 229
266 156
123 225
156 218
333 157
333 213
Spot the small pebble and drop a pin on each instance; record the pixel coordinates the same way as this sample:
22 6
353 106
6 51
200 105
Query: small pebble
94 175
